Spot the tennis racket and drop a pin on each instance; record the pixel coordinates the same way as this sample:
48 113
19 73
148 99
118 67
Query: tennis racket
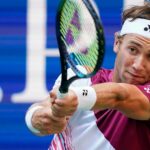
80 41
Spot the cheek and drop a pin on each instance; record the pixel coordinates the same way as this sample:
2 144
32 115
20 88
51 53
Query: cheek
123 64
124 59
119 66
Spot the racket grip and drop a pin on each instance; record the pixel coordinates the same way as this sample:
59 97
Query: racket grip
61 95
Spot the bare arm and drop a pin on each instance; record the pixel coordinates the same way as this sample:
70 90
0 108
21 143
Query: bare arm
124 97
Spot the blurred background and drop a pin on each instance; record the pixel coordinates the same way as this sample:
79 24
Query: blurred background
29 61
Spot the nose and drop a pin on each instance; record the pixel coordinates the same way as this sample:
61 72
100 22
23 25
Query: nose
139 63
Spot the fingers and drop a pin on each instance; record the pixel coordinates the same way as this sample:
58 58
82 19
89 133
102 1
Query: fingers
54 116
47 123
63 107
52 126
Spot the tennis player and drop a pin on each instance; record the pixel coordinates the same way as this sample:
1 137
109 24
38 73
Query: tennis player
110 111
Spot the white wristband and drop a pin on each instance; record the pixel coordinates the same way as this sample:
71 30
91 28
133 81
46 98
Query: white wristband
28 119
86 97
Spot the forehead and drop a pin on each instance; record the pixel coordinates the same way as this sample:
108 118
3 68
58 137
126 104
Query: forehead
138 40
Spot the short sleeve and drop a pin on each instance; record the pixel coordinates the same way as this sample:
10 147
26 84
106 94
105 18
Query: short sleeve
145 89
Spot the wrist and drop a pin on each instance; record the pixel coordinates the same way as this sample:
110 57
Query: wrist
28 119
86 97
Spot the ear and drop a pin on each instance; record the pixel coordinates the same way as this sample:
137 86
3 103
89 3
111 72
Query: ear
116 42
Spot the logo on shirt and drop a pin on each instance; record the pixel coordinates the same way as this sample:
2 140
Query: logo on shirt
147 89
85 92
147 28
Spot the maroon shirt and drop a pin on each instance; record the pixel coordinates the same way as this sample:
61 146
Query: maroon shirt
122 132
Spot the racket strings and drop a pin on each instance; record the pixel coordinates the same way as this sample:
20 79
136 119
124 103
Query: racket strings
79 35
88 62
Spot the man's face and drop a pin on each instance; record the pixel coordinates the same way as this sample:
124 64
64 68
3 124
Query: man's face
133 59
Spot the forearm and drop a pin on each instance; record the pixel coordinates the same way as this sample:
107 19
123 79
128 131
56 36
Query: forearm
123 97
109 95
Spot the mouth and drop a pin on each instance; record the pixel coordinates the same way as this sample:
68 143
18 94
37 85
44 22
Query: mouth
134 77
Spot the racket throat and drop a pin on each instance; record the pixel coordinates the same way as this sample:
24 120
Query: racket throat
66 83
63 89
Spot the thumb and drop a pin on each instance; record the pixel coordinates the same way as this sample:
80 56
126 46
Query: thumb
53 96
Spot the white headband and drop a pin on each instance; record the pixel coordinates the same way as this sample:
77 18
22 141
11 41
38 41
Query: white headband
138 26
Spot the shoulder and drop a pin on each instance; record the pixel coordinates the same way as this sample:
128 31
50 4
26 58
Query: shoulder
103 75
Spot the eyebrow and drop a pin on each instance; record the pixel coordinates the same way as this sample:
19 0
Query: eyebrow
135 43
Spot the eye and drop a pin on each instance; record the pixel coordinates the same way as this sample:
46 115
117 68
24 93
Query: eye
133 50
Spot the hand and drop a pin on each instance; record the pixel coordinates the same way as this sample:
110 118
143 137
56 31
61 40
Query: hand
44 120
64 107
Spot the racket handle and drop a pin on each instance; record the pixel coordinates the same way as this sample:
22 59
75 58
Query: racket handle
61 95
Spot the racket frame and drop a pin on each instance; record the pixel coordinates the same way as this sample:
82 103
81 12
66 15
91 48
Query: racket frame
64 55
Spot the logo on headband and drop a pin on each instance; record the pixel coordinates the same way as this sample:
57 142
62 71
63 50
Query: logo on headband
147 28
